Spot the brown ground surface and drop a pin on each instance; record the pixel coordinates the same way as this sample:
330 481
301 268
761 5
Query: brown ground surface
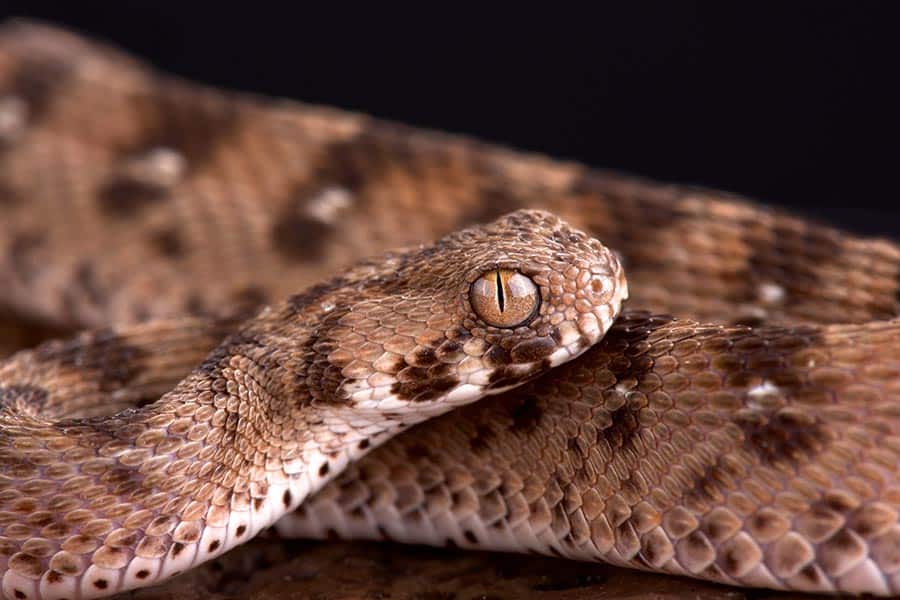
270 569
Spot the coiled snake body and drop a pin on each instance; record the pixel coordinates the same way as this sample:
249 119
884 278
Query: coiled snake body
739 421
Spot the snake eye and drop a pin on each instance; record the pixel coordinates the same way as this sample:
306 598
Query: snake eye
504 298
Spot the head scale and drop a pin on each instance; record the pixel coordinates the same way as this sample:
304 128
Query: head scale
477 312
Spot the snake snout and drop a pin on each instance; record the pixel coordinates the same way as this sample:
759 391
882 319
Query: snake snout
593 305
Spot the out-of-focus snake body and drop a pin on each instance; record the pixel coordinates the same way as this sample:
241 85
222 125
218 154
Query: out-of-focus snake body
739 422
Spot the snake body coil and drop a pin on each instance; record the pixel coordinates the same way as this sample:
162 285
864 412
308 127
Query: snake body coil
739 422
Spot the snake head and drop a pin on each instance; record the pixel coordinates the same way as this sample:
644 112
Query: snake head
477 312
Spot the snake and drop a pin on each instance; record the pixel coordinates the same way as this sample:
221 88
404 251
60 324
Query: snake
275 315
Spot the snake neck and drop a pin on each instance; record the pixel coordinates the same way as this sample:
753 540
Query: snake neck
153 491
252 399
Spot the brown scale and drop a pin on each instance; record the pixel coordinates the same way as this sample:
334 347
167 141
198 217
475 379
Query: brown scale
660 458
656 475
143 482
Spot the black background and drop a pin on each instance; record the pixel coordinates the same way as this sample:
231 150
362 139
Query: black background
792 103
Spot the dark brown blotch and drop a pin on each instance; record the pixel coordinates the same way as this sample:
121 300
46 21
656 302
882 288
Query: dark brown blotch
631 331
300 237
238 344
790 256
533 350
748 319
782 436
248 299
195 305
626 220
168 243
424 389
440 371
417 451
421 384
773 436
37 81
124 197
706 487
623 429
113 362
27 398
351 165
194 123
354 163
424 357
448 350
505 377
101 584
497 356
526 413
412 374
142 574
9 196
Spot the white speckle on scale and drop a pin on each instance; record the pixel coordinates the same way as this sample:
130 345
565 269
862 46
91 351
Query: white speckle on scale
329 203
623 389
159 166
766 388
13 118
770 293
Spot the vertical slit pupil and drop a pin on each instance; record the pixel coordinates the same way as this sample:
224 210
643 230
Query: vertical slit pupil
501 300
